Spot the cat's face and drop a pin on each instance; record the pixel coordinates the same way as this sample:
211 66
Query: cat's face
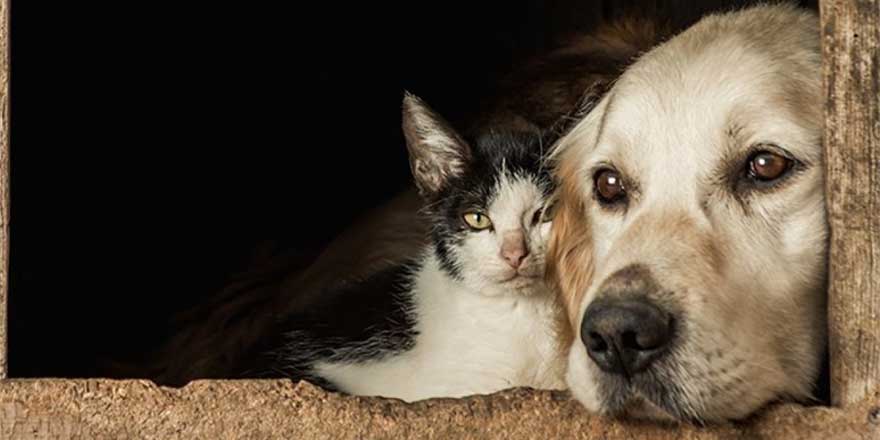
489 226
486 204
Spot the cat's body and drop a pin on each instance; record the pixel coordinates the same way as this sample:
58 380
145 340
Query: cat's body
438 339
472 314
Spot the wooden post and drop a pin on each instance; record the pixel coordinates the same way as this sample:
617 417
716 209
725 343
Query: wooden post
851 51
4 179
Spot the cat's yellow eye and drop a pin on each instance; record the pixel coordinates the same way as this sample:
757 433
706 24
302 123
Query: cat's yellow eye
477 220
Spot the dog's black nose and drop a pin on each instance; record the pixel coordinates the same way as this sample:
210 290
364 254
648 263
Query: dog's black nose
623 336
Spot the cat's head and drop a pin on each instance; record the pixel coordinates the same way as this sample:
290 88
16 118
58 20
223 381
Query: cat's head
485 201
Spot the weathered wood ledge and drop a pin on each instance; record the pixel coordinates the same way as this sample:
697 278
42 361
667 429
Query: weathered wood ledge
98 409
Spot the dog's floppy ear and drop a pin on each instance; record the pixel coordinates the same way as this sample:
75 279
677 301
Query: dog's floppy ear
570 249
436 151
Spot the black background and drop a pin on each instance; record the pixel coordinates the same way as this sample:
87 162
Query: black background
155 144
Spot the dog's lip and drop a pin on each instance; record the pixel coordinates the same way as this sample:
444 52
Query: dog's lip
634 398
637 406
640 407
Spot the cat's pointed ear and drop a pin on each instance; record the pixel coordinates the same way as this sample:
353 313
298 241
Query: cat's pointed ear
436 151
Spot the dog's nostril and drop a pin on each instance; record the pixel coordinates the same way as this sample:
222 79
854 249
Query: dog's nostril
597 343
630 340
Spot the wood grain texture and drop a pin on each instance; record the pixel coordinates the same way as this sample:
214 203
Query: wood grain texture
4 179
245 409
851 51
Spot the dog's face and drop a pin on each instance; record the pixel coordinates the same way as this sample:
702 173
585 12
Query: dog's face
690 243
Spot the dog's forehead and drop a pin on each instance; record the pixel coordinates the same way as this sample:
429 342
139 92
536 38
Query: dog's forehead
678 118
679 104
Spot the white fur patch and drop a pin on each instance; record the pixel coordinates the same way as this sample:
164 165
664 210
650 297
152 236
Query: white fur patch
467 343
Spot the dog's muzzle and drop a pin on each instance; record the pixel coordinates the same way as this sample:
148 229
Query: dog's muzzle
624 331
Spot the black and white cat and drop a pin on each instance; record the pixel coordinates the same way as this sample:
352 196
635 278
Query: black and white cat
471 315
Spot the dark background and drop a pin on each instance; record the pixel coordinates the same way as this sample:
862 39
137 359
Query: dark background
155 145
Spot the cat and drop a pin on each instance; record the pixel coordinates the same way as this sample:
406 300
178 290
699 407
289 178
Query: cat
472 313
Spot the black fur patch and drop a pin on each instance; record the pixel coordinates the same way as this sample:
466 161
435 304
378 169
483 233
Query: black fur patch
369 320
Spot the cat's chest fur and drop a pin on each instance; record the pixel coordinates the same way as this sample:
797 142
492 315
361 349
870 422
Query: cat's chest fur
465 343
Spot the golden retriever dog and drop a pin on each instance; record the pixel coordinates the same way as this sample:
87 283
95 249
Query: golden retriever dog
690 239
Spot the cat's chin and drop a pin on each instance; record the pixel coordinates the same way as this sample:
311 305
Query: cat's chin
501 283
518 285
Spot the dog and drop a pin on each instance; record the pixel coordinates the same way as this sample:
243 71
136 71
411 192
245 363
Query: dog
690 239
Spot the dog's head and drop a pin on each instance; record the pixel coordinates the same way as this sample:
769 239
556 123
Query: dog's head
690 237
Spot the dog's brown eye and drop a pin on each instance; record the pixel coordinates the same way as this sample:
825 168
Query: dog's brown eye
768 166
609 186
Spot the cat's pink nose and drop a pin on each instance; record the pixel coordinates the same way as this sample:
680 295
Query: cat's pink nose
514 249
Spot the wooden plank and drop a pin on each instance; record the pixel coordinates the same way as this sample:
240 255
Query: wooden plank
4 179
104 409
851 51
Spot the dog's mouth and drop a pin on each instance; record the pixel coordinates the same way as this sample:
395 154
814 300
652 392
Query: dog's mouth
642 409
651 395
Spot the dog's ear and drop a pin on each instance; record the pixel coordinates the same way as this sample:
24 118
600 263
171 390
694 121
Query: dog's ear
436 151
570 249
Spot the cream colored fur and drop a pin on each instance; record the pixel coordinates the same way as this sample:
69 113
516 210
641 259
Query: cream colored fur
747 270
